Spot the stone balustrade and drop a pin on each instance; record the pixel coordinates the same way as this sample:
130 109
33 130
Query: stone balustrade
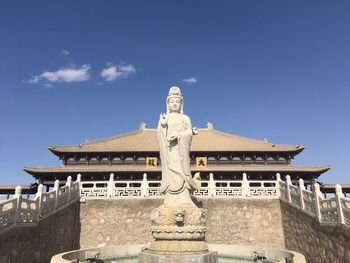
334 210
19 211
150 189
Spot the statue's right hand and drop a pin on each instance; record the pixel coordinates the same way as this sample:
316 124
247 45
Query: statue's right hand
163 119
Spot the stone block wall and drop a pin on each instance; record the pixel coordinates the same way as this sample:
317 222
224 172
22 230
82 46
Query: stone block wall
318 243
231 221
244 222
37 244
116 222
256 222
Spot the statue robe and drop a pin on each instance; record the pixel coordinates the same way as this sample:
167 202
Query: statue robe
175 155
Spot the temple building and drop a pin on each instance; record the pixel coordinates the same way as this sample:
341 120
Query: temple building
131 155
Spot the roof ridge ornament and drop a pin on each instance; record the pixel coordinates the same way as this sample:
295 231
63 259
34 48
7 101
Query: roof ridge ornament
210 126
142 126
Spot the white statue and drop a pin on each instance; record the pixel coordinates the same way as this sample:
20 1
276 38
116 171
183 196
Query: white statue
178 225
174 136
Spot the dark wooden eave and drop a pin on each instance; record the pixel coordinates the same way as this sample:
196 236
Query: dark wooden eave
134 168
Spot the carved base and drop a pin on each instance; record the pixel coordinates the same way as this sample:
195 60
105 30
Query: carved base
147 257
167 247
178 221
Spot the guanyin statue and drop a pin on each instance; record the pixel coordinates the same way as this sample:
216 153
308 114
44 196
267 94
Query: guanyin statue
174 136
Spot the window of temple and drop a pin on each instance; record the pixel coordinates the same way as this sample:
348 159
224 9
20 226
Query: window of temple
236 160
104 161
94 161
211 161
225 160
259 160
271 160
141 161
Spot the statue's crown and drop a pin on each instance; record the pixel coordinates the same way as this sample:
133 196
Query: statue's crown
174 91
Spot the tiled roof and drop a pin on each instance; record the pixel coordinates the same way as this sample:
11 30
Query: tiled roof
207 140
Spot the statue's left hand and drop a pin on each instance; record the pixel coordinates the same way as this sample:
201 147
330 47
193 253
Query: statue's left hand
194 131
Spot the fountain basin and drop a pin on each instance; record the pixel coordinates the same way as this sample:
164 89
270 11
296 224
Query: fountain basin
226 254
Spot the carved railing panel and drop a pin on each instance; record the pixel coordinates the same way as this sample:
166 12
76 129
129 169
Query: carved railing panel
47 203
309 201
28 211
228 189
345 205
74 191
153 189
262 189
127 189
63 196
127 192
8 213
96 190
294 195
283 190
329 211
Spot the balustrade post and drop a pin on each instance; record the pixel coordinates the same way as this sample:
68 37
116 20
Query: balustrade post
56 187
110 185
245 185
278 180
301 195
78 181
289 183
69 184
38 198
339 194
211 185
18 196
144 186
317 197
39 193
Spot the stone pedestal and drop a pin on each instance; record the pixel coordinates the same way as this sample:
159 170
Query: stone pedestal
179 233
178 221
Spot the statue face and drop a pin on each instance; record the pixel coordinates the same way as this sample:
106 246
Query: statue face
175 104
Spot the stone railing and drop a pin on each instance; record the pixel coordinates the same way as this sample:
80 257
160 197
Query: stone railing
334 210
150 189
331 211
19 211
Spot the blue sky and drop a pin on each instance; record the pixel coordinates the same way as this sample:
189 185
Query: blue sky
76 70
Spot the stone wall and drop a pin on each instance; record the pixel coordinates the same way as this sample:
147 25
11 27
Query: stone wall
231 221
244 222
116 222
37 244
256 222
318 243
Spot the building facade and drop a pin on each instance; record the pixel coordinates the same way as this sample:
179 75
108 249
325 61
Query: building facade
129 156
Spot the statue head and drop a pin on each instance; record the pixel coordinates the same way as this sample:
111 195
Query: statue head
174 101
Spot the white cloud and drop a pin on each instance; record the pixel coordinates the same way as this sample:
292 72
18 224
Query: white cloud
67 74
112 72
48 85
191 80
65 52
